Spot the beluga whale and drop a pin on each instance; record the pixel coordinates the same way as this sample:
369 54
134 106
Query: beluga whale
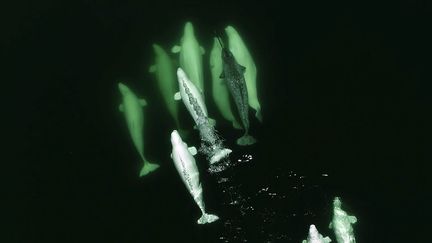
190 54
166 78
233 74
132 107
211 143
342 223
184 162
315 237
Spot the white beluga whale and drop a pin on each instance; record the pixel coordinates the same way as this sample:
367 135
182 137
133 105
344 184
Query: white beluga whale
219 88
315 237
187 168
244 58
190 53
211 144
342 223
132 108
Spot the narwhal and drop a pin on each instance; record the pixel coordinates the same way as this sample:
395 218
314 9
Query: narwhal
132 110
219 88
242 55
233 74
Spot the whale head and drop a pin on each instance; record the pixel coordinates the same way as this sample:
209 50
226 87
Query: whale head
181 75
313 232
230 31
124 90
158 49
227 55
337 203
175 138
188 29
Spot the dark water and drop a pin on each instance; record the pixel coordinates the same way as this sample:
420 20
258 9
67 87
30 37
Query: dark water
343 90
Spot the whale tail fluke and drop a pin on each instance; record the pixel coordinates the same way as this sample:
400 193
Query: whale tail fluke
148 168
246 140
220 154
207 218
236 125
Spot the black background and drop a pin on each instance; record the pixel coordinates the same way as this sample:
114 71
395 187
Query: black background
344 90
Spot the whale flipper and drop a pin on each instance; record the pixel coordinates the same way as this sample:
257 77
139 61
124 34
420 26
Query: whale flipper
212 121
152 69
246 140
142 102
193 150
175 49
147 168
207 218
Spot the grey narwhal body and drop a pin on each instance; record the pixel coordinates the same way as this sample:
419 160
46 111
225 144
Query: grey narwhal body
233 74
